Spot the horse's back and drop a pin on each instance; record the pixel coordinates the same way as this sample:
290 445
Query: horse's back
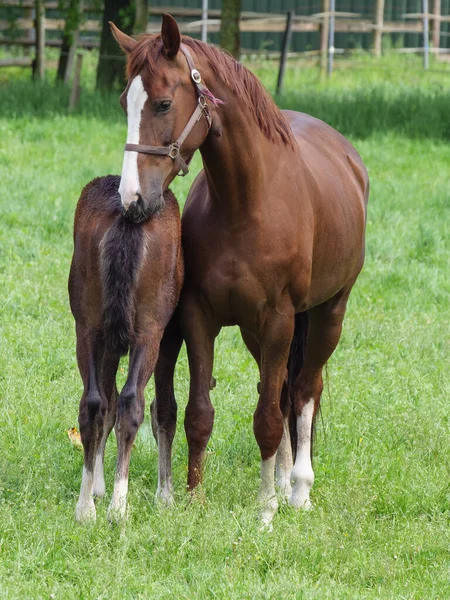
321 147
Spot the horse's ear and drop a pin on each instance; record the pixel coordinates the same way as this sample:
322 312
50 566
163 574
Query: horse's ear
170 35
126 42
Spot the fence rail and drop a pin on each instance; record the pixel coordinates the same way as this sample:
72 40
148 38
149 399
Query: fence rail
27 30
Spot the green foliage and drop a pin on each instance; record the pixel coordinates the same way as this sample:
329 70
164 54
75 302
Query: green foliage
380 526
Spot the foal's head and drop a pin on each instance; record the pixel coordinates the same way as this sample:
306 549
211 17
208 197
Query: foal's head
159 100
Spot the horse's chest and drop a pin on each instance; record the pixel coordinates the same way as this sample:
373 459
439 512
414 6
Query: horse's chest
236 289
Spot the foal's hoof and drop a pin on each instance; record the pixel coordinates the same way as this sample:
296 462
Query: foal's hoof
85 512
212 383
117 513
164 497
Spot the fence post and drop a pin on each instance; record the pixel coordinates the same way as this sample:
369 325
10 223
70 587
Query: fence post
331 48
426 33
285 49
204 19
75 91
378 33
437 25
324 33
39 61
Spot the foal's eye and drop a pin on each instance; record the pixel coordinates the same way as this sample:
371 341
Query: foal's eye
164 106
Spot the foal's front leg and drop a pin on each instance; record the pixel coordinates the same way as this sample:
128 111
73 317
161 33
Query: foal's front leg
130 414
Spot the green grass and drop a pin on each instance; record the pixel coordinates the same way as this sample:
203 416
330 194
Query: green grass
381 523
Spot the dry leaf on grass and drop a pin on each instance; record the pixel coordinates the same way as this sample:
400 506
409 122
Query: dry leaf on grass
74 437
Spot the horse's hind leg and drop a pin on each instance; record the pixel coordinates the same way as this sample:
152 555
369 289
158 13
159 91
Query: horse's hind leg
283 460
164 407
93 407
109 371
130 414
324 331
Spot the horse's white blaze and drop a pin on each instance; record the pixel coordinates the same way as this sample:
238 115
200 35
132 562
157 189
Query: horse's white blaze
284 465
302 476
118 507
85 510
267 495
129 182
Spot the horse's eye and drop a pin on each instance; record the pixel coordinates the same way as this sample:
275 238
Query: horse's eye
164 106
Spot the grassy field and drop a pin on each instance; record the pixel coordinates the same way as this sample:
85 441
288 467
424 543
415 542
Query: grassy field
380 527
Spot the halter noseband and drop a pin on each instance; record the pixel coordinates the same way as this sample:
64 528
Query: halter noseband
173 150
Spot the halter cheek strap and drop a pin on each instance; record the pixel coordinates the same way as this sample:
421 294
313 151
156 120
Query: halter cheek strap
173 150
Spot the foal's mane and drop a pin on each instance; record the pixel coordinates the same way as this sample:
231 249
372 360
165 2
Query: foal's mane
230 72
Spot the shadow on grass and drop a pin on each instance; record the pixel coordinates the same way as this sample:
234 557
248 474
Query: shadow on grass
411 111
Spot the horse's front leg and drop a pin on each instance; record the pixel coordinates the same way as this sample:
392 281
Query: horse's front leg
130 414
164 407
199 331
268 419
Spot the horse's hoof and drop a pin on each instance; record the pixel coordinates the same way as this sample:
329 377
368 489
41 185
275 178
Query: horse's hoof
301 503
269 507
85 512
285 488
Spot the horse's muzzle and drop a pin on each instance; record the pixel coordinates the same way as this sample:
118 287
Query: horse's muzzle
140 210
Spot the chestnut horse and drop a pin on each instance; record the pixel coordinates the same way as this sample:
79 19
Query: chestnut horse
124 284
273 241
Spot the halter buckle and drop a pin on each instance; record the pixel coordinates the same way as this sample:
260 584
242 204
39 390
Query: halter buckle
174 150
196 77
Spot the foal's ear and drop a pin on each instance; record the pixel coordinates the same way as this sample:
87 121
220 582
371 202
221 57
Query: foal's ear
126 42
170 35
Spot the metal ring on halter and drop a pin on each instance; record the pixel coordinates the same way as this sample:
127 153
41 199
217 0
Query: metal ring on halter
174 150
196 76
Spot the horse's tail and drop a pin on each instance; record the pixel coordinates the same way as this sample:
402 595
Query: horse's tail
121 255
295 363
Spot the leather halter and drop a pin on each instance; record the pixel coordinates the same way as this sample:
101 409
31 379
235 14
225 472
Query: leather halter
173 150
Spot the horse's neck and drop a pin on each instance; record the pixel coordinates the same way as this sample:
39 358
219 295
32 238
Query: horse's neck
237 161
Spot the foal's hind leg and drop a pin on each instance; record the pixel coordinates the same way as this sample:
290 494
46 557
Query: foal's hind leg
164 407
324 331
109 371
130 414
283 460
93 407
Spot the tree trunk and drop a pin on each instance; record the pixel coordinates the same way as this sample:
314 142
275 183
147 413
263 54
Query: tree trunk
111 62
69 40
229 28
141 20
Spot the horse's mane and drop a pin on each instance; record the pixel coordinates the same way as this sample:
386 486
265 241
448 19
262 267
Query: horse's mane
230 72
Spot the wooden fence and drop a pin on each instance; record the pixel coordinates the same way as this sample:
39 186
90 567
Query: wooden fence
34 28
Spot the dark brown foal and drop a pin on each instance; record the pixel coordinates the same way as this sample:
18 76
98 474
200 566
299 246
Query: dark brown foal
124 285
